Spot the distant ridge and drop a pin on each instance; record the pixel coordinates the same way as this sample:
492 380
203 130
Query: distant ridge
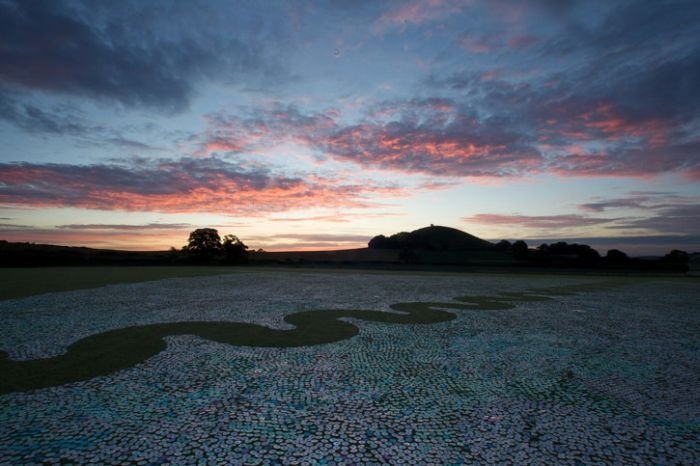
437 238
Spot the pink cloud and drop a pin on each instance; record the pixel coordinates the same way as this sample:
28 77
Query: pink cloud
264 129
419 12
437 136
479 43
522 41
614 125
185 185
451 149
431 136
601 122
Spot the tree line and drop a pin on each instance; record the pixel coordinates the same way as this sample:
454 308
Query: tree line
558 254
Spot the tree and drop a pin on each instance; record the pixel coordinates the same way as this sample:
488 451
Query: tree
563 252
203 242
676 256
402 240
234 249
520 250
615 256
380 242
586 255
503 245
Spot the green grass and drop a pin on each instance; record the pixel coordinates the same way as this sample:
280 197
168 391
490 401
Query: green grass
21 282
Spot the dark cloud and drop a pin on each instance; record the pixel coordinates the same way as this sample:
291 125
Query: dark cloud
33 119
135 53
124 142
64 121
587 131
656 214
601 206
666 240
351 5
628 30
603 90
679 220
14 226
645 200
614 96
635 161
622 104
660 212
666 90
537 221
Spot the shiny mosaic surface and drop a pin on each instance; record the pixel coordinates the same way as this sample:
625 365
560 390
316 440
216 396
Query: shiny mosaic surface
603 376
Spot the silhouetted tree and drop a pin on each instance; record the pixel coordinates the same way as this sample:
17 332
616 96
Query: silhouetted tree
615 256
676 256
563 252
586 255
203 242
503 245
520 250
234 250
402 240
380 242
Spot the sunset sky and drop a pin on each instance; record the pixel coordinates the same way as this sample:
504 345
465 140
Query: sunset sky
319 124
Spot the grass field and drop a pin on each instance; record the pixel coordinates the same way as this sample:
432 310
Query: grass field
20 282
520 368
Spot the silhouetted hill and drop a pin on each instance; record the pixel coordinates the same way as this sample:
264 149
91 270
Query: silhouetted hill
34 255
432 238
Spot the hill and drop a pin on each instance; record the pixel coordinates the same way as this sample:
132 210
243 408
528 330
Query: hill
432 238
36 255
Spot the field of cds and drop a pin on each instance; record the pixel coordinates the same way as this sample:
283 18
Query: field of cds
269 367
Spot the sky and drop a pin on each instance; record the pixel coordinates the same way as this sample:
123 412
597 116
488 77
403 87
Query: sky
320 124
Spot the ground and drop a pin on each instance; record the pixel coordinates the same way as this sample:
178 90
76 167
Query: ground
27 281
607 374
